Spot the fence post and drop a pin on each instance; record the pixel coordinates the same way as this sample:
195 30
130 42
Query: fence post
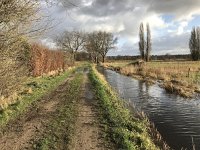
188 72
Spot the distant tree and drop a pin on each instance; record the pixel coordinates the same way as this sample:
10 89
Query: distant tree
99 43
71 41
194 43
142 41
167 56
145 46
107 41
148 44
91 46
82 56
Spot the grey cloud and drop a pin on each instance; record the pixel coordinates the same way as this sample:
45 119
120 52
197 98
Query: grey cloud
177 43
103 8
124 17
175 7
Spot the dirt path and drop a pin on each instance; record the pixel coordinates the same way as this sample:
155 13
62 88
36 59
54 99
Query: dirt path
88 134
31 127
20 133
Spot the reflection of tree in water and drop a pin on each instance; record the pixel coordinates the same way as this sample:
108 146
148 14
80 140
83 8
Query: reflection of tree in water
143 91
147 89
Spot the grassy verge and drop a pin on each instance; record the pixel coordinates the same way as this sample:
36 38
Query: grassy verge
39 87
126 131
59 132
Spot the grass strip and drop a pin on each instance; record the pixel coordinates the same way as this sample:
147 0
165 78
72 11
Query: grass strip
126 131
60 132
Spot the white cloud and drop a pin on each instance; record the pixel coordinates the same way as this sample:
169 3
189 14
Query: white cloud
155 21
182 27
49 43
123 19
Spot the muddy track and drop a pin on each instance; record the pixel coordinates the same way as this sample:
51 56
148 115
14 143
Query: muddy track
88 134
20 133
29 128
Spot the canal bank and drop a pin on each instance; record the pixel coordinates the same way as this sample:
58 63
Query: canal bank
126 130
176 119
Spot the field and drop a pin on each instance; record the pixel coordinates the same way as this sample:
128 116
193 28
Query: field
185 74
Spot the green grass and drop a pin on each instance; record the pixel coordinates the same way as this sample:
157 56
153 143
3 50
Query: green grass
60 131
40 86
126 131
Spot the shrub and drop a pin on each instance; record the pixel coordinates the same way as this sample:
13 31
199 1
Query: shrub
44 61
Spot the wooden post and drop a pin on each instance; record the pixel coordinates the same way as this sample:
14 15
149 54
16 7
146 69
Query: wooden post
188 72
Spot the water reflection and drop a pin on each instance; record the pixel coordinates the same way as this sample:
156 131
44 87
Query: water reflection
177 119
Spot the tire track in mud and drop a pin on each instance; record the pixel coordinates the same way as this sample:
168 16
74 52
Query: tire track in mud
88 134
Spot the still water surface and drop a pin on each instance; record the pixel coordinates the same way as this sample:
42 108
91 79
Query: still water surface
176 118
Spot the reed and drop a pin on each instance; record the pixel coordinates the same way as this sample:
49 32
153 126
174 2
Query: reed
180 77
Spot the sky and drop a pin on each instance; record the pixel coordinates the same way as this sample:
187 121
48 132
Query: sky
171 22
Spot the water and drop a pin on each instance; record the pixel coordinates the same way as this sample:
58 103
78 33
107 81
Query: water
176 118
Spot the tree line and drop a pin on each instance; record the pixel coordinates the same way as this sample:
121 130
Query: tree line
97 44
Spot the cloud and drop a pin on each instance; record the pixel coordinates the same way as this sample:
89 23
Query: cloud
182 27
181 9
49 43
122 17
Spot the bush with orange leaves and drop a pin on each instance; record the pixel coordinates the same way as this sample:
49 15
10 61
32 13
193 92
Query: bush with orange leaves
44 61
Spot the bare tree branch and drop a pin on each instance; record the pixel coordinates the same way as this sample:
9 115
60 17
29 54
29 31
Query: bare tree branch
71 41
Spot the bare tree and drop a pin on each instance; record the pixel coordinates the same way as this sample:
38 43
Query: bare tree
142 42
16 17
72 42
148 43
194 43
91 47
99 43
107 42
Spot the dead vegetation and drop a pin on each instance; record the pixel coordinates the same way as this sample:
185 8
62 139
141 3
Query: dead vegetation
14 69
177 77
44 61
31 60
